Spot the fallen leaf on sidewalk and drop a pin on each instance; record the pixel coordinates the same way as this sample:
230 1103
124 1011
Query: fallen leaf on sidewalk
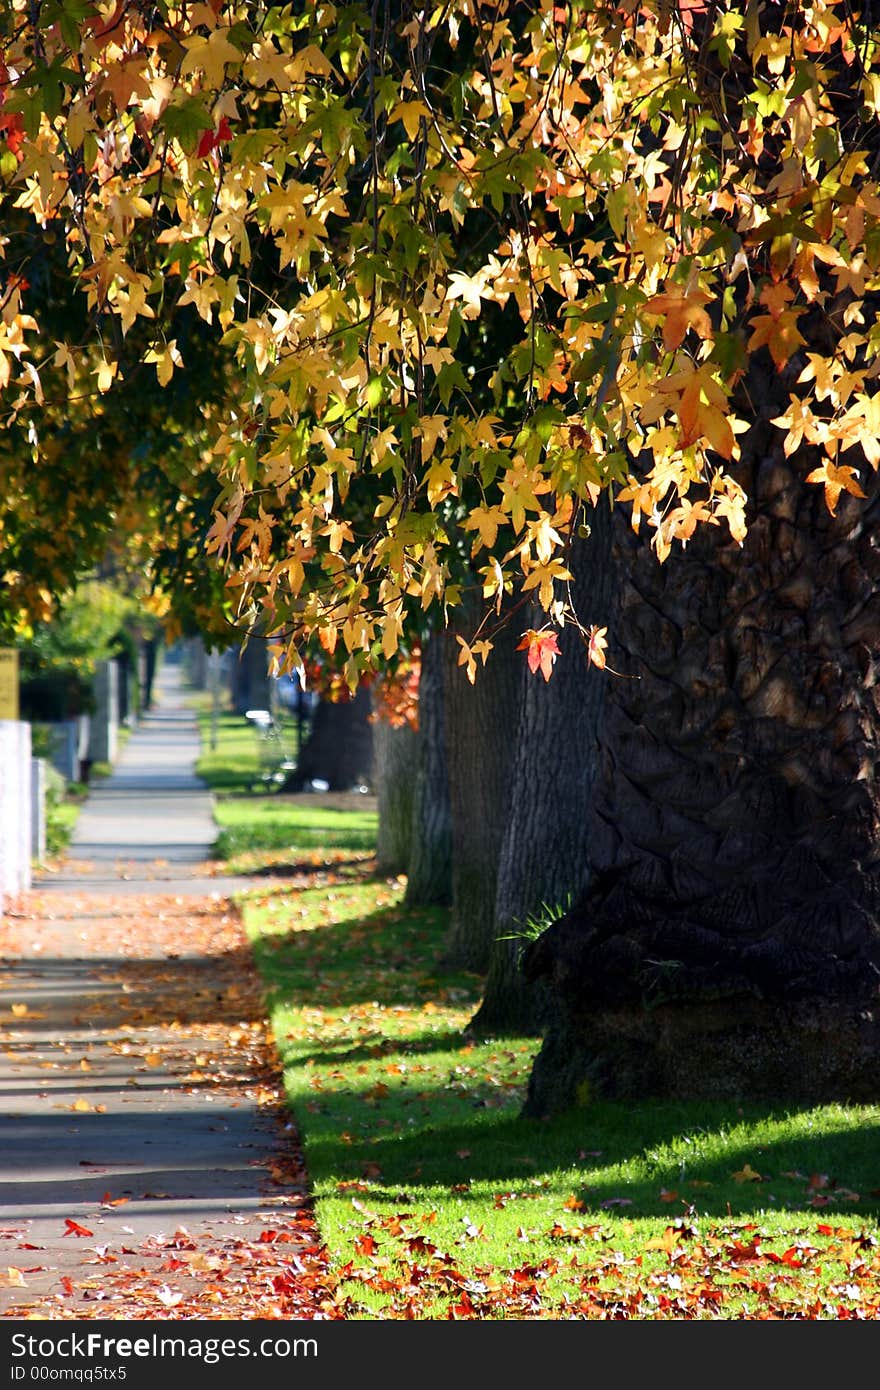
73 1228
83 1106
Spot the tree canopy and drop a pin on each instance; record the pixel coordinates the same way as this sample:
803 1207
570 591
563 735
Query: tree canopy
476 265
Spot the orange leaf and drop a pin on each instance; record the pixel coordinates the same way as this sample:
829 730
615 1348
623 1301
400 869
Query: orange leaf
542 648
837 479
597 645
680 312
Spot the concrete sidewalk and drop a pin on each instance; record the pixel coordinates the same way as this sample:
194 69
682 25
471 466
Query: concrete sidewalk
140 1144
150 822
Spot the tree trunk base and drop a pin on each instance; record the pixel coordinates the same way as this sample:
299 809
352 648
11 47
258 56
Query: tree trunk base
808 1052
511 1004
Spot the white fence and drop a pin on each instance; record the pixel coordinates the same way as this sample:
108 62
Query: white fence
16 838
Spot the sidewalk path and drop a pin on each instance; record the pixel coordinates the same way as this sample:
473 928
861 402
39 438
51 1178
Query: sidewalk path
147 1167
151 820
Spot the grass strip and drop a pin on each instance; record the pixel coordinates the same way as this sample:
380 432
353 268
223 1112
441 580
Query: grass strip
259 829
437 1198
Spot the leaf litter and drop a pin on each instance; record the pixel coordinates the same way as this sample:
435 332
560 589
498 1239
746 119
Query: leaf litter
169 1004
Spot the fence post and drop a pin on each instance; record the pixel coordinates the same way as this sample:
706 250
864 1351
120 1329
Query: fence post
38 809
15 807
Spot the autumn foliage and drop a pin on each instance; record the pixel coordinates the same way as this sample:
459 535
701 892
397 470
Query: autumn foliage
475 266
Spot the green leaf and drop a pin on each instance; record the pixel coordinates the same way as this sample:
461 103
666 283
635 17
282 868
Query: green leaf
184 121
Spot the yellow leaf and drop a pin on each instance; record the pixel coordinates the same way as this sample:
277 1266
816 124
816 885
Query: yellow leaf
210 54
430 428
746 1174
468 654
486 520
542 578
440 481
105 374
411 113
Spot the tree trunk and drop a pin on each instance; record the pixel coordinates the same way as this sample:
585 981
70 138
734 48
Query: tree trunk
544 860
430 867
728 943
339 748
395 761
481 726
250 676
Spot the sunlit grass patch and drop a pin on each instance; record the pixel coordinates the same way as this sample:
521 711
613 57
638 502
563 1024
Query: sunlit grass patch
281 823
261 829
437 1198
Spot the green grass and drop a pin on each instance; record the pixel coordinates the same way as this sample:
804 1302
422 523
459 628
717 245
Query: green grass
284 824
259 829
235 766
61 817
436 1198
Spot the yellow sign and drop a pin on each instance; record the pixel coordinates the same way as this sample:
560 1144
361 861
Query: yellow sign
8 683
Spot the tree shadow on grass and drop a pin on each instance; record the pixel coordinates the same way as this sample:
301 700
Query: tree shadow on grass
444 1134
363 959
681 1156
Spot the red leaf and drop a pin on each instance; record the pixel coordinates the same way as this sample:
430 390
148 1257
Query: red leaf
542 648
223 131
75 1229
209 141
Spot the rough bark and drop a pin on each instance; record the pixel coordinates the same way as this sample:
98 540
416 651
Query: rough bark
395 765
429 878
728 943
544 858
339 748
481 725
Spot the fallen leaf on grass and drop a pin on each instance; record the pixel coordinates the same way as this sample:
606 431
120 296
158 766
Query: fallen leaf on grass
667 1241
747 1174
